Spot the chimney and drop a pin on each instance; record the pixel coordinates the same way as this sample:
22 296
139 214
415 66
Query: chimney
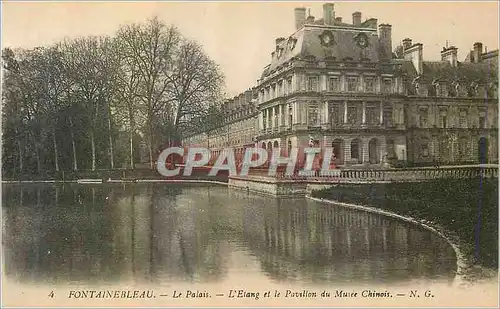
415 54
385 40
328 14
450 54
338 20
356 19
300 17
406 43
279 40
478 51
310 19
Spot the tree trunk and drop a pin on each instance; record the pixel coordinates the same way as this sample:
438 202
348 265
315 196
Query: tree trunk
111 152
56 154
131 137
38 161
20 150
131 134
92 141
73 145
150 145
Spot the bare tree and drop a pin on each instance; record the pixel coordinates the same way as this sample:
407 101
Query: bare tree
151 46
195 84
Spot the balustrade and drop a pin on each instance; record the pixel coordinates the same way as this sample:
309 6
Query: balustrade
381 175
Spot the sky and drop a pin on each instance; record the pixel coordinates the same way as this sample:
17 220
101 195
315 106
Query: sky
240 36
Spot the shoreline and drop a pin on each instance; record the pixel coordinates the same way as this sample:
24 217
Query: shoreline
464 264
114 181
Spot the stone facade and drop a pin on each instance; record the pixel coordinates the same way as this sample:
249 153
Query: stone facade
341 85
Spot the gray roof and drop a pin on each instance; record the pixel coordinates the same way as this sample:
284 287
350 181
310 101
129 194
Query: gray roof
306 42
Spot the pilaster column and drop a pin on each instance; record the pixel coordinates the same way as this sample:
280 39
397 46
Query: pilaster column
273 116
267 118
286 113
326 116
363 120
294 113
395 114
281 115
345 111
381 112
261 120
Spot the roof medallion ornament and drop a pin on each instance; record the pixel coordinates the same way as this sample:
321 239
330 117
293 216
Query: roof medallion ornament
327 38
362 40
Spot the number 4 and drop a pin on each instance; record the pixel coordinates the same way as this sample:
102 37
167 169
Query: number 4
51 294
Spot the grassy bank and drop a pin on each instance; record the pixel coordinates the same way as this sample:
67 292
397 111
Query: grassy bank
453 204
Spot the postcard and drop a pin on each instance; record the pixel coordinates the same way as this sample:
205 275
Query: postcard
249 154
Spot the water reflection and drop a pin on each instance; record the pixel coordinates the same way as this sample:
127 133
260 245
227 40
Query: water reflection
167 233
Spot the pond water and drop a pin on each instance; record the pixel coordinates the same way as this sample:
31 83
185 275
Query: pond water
150 233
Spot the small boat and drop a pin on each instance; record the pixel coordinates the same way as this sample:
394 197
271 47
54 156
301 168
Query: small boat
89 181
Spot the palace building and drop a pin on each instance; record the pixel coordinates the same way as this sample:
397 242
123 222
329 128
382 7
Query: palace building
341 85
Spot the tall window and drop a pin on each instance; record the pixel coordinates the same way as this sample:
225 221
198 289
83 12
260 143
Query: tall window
355 145
352 84
352 116
423 117
290 117
289 86
313 83
387 86
335 114
424 148
463 118
334 84
391 152
371 115
388 117
443 117
313 114
369 84
442 90
482 119
463 148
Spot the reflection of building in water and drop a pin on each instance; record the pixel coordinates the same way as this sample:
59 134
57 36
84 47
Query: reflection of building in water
331 243
154 232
